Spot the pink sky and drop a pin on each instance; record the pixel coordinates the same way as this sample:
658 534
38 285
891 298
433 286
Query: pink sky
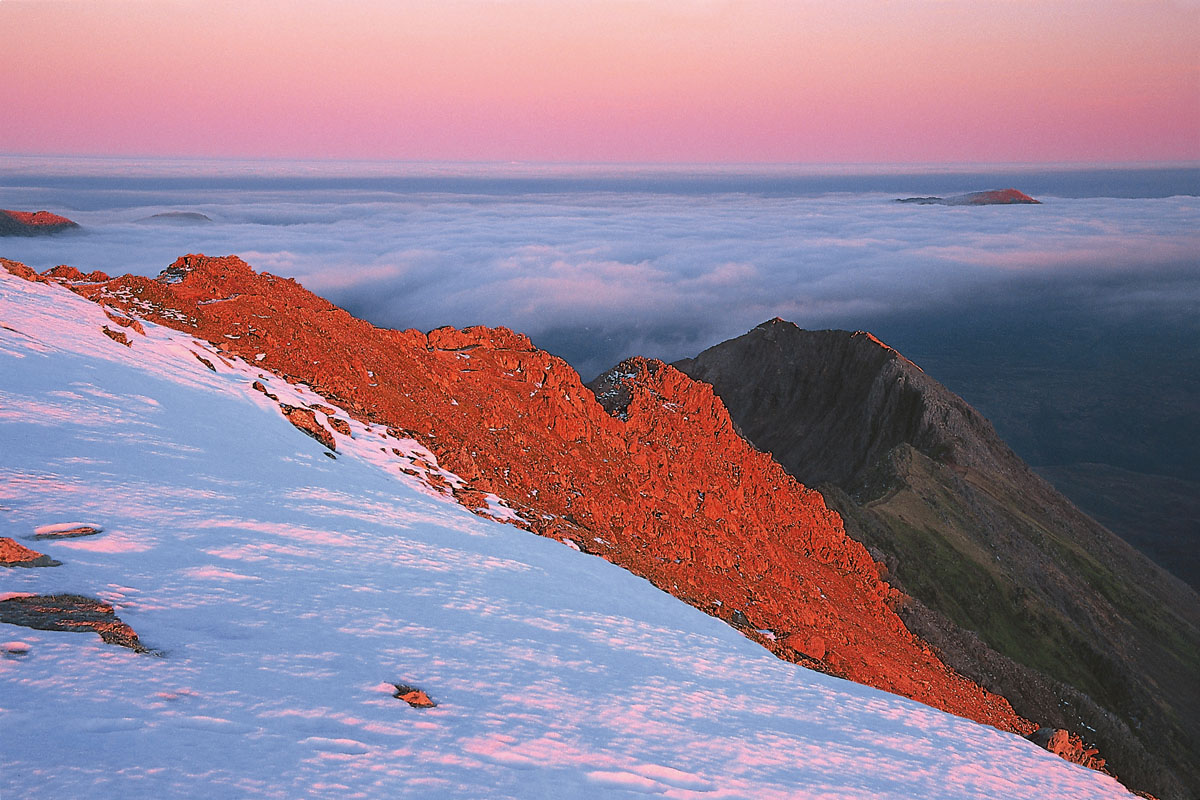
596 80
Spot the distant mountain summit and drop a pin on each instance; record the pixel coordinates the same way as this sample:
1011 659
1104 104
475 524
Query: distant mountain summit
1015 586
178 218
32 223
994 197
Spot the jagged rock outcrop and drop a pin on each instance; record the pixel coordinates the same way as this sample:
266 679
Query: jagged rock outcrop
306 422
70 612
1068 745
993 197
15 554
120 337
126 322
32 223
665 487
417 698
962 524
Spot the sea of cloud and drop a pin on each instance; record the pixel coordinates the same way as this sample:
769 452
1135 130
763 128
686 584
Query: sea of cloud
598 272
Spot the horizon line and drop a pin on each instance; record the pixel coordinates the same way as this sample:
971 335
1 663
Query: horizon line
517 165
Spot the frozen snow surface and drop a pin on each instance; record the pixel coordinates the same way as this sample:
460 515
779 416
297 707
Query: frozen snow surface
286 592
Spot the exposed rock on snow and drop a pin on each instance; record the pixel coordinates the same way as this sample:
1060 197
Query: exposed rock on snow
259 386
70 612
340 425
413 696
204 361
306 422
66 530
14 554
125 322
117 336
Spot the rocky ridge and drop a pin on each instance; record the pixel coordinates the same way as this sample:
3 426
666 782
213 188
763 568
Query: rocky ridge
663 486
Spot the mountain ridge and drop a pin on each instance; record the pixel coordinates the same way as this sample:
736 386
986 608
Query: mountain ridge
726 531
968 528
298 609
802 590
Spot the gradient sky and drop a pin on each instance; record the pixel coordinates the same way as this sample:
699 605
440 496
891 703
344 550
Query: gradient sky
592 80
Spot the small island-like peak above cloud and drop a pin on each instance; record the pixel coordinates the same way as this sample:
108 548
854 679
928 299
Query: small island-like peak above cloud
32 223
993 197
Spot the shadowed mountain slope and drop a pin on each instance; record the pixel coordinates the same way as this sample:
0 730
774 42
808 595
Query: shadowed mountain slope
983 543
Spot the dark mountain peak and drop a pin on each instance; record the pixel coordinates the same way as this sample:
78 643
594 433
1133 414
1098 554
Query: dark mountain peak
839 401
775 322
1028 595
789 333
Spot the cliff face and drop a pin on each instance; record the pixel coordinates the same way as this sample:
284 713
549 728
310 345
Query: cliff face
663 485
1068 621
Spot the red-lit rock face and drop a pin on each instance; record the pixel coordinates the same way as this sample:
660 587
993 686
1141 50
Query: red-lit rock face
992 197
15 554
662 486
997 197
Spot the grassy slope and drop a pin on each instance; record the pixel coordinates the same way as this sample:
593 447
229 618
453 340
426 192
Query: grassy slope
938 525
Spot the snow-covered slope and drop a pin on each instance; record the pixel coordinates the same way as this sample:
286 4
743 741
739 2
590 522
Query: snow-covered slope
286 592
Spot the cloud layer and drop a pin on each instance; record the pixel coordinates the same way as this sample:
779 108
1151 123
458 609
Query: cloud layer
597 275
